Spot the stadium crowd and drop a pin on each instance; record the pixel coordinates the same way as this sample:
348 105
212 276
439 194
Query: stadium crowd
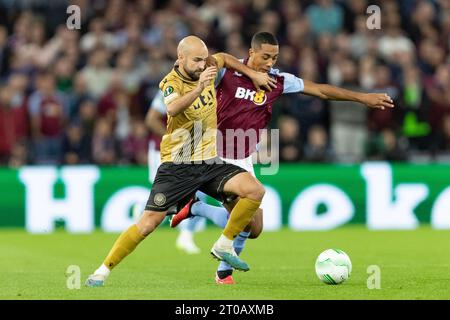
81 96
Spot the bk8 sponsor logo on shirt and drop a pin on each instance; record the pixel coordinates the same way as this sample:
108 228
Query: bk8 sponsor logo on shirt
257 97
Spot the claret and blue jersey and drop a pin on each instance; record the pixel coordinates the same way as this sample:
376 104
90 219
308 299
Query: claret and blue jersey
241 106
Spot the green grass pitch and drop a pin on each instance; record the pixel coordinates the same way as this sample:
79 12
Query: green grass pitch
413 264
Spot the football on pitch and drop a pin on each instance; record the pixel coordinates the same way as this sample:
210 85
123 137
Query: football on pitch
333 266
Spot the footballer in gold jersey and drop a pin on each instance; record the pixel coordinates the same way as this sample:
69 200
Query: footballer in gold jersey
189 160
191 134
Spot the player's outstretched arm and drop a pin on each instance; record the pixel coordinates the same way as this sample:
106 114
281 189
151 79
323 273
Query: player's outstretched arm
260 79
328 92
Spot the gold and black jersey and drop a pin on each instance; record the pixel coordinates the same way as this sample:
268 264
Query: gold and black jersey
191 135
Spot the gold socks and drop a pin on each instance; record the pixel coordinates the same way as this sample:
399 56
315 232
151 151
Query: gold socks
123 246
240 217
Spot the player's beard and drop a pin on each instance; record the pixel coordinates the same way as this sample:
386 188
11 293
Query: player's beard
194 75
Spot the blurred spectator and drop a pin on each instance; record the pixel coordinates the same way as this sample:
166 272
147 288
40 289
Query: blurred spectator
97 72
48 116
64 71
317 148
415 119
442 143
431 56
97 37
394 42
270 21
33 50
234 45
423 23
348 119
13 116
135 146
78 94
385 146
325 16
130 70
298 33
437 89
366 77
361 38
51 76
4 50
354 10
290 10
290 143
76 146
19 155
86 117
114 106
158 65
306 110
104 145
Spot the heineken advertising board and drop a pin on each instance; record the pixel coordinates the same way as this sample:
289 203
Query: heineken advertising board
300 197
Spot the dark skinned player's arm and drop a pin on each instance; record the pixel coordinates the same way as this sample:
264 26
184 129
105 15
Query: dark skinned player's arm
328 92
260 79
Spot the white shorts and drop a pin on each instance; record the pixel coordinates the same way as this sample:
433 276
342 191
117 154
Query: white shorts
246 164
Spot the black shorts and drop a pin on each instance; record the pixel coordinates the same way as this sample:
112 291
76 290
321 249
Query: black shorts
175 184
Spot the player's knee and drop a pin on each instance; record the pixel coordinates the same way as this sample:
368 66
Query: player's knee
255 191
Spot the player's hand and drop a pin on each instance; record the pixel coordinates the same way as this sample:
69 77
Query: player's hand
211 62
206 77
262 80
378 100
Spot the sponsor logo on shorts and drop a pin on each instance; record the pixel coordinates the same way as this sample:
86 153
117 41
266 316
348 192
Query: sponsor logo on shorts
159 199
